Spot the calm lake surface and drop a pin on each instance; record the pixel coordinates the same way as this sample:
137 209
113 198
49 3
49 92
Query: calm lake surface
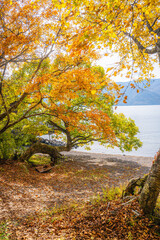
147 118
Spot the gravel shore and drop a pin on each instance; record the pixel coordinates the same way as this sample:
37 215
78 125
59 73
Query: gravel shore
100 158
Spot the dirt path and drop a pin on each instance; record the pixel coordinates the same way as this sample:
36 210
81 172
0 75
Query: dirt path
24 191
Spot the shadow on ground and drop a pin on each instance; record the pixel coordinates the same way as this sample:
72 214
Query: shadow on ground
24 191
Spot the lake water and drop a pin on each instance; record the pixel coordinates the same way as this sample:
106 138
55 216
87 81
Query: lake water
147 118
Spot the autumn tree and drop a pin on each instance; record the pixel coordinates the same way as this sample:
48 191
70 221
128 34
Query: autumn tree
20 35
83 113
30 113
31 32
131 29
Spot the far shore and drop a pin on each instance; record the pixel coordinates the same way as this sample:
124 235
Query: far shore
99 157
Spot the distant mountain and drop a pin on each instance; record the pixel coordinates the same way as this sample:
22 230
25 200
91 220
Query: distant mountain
146 96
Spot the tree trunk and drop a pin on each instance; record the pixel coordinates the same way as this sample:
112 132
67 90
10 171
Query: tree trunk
41 148
151 189
69 141
150 185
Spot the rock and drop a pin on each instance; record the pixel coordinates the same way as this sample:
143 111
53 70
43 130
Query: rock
54 143
43 168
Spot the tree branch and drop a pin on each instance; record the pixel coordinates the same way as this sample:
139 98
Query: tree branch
13 105
7 125
57 126
140 46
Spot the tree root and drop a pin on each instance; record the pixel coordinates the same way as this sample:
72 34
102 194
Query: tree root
41 148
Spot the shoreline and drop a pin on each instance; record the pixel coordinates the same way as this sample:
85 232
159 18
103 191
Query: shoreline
99 157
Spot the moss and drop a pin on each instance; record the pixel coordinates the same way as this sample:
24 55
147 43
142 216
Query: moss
40 160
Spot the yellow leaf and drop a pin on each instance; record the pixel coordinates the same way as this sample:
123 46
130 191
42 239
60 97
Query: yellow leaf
115 73
109 69
93 92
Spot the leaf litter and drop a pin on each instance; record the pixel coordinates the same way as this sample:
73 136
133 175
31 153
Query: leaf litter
75 200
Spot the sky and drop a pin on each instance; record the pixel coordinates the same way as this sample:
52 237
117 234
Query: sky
106 62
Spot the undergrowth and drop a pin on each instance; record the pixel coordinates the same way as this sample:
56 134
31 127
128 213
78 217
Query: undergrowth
4 231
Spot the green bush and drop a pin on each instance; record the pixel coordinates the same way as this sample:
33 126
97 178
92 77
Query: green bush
7 145
14 141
